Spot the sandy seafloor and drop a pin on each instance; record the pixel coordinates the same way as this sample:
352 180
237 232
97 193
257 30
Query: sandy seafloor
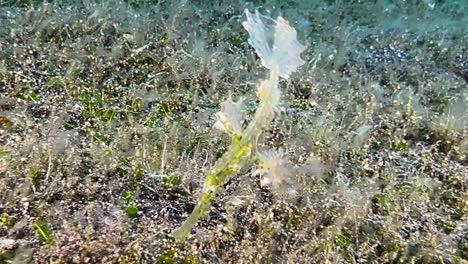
106 133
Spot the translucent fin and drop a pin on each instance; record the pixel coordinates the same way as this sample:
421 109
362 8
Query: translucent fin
286 49
230 117
275 42
261 37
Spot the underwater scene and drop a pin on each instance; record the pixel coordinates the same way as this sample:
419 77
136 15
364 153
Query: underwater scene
233 131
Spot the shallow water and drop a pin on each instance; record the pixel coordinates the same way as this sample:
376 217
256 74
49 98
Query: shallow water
107 131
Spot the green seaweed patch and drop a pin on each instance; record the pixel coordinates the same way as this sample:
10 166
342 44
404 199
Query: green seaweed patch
92 102
449 228
169 257
43 232
401 146
6 221
173 256
343 241
137 176
7 257
54 83
383 201
100 138
32 96
237 40
152 122
70 125
457 213
106 115
121 172
35 176
168 109
131 211
134 107
129 196
84 170
172 180
3 153
403 189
